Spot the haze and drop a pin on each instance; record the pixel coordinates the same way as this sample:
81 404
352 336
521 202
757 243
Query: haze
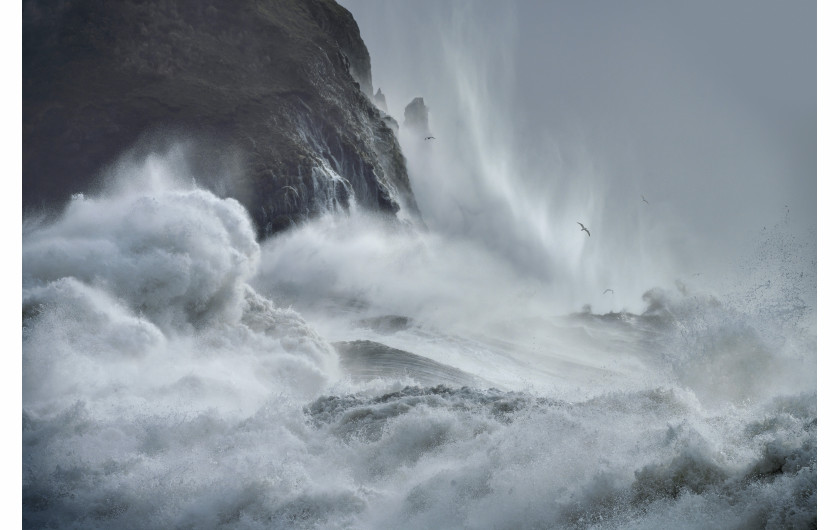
708 109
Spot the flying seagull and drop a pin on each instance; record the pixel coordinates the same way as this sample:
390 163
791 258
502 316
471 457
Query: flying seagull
584 229
291 188
430 138
645 200
609 291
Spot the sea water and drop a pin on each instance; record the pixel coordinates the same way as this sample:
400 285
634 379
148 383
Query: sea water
358 373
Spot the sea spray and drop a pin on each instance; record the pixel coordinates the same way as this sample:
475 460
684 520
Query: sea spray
143 349
197 397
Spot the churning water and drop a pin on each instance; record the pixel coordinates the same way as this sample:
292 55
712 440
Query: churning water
351 373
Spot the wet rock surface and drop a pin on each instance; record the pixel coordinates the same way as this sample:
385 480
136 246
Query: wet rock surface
270 98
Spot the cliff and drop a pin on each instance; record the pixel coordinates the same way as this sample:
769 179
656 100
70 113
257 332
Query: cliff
283 86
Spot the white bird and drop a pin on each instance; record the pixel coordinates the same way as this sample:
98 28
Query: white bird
643 198
430 138
609 290
291 188
584 229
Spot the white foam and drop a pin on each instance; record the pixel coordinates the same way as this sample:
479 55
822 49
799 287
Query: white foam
142 287
165 384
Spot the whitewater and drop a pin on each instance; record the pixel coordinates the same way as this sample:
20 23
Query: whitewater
360 373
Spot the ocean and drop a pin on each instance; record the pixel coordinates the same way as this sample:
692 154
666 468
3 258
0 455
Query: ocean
355 372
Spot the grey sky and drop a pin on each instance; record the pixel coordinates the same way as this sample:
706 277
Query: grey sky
707 108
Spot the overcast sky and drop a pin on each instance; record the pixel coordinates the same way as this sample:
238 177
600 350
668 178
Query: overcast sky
708 108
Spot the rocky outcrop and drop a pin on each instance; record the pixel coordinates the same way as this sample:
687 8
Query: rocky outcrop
379 100
417 117
282 86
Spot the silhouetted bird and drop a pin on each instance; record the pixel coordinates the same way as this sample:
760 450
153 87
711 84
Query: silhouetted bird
584 229
430 138
609 291
643 198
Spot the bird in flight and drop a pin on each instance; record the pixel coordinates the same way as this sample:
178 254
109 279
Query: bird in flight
645 200
430 138
609 291
584 229
291 188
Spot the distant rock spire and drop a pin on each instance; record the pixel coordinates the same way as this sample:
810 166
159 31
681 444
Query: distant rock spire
417 118
379 100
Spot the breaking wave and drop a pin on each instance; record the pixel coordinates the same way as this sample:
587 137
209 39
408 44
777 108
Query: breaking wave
167 383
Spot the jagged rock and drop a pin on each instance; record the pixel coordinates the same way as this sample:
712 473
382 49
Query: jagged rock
417 117
379 100
284 86
390 122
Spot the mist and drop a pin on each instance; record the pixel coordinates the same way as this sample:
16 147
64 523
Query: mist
177 371
546 114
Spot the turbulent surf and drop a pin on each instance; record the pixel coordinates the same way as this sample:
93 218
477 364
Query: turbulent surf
323 318
162 389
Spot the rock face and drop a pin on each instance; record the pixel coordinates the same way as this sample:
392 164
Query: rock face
282 85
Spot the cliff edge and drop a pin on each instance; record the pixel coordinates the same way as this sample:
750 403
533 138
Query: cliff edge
283 86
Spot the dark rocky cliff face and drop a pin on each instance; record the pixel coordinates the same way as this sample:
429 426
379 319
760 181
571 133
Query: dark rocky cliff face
282 85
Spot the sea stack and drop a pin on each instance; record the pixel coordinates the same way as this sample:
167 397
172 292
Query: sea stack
417 118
